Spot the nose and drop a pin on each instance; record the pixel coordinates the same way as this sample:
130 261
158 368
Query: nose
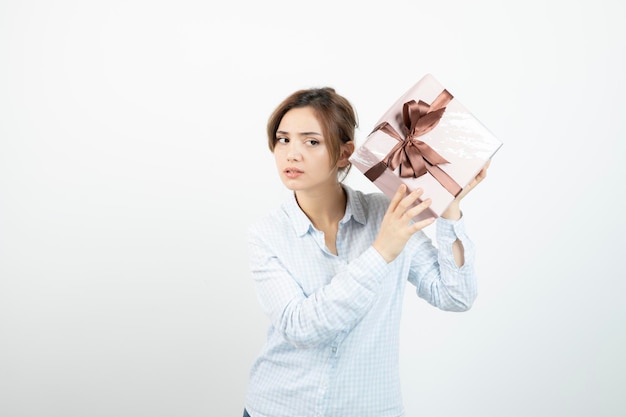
293 156
294 153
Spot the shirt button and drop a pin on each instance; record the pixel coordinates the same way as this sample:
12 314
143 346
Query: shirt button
334 349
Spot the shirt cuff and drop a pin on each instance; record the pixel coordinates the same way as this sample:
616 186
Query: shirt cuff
450 230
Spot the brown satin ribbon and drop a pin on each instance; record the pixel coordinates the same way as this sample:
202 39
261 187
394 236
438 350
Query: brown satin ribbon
413 156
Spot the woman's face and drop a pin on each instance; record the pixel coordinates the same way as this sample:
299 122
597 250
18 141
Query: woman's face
301 152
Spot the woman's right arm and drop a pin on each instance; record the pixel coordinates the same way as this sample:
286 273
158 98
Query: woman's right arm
306 321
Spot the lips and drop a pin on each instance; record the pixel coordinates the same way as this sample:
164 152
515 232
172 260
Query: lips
293 172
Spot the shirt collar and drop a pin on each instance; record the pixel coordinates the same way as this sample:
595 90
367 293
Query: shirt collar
355 209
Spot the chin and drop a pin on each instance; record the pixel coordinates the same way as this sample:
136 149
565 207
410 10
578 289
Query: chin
290 185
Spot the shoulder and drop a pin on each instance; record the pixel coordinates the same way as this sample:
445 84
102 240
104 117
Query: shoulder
282 223
275 219
371 205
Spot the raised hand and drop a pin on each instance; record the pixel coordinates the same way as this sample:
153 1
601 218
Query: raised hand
397 227
453 212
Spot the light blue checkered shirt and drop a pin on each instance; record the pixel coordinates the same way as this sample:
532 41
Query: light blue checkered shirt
332 346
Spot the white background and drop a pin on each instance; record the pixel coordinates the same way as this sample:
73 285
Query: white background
133 158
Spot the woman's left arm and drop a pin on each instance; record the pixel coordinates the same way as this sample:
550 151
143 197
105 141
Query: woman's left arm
445 276
453 212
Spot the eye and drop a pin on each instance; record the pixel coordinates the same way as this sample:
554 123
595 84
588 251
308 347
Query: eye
312 142
282 140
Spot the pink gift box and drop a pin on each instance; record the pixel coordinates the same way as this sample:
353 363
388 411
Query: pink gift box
427 139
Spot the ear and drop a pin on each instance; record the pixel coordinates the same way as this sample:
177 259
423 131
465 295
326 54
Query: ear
347 149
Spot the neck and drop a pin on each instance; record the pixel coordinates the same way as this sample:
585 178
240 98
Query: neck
323 207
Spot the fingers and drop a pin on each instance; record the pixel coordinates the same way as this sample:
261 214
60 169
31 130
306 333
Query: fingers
407 202
397 197
477 179
417 226
402 200
403 205
414 211
398 224
483 172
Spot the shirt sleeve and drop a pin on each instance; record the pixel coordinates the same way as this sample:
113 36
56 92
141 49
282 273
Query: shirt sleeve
317 318
434 272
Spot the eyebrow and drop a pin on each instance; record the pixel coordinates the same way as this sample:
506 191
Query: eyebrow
282 132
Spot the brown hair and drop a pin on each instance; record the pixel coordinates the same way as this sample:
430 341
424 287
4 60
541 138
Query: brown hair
334 113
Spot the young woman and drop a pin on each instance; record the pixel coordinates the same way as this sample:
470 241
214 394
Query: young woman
330 267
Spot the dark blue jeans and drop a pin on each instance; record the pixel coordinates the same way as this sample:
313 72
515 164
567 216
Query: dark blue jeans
245 413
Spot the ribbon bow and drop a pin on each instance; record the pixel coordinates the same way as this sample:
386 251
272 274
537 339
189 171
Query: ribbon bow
413 156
